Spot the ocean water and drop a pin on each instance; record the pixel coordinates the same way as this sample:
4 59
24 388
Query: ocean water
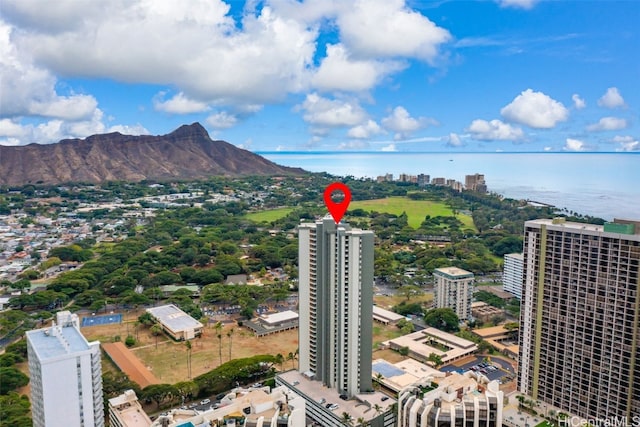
605 185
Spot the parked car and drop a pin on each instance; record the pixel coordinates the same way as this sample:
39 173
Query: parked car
205 401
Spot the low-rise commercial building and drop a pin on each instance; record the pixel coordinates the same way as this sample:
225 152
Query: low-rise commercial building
421 344
385 316
175 322
273 323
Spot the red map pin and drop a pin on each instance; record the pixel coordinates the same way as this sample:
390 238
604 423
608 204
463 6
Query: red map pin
338 209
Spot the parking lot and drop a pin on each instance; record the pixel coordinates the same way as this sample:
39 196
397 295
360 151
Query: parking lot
493 369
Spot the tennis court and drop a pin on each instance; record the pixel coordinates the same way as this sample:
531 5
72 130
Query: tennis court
101 320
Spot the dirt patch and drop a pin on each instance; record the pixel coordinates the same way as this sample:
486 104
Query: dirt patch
129 364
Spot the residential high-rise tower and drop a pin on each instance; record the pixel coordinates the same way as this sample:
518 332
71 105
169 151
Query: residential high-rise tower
336 305
65 376
580 315
454 289
512 274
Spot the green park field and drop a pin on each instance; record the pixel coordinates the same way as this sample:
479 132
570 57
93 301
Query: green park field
416 210
269 215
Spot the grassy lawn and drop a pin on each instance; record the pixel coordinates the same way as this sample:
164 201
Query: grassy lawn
269 215
416 209
545 424
390 301
383 333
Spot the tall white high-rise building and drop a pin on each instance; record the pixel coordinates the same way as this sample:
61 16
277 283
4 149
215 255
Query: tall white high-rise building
336 305
512 274
454 289
580 318
65 376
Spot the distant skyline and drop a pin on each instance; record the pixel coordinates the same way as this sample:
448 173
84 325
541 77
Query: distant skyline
326 75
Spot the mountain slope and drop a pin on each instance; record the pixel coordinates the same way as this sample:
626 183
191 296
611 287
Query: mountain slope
186 153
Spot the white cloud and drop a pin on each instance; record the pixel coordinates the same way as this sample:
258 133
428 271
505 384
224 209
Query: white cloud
578 102
222 120
611 99
522 4
194 45
548 148
401 122
574 145
536 110
363 74
137 129
324 112
179 104
453 140
495 130
12 132
387 28
389 148
28 90
365 130
627 143
353 145
608 123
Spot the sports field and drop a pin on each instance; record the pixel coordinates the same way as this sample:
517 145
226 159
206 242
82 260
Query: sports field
269 215
101 320
416 210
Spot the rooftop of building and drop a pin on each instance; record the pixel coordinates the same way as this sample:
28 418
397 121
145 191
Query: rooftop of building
617 226
360 406
420 344
174 318
283 316
397 376
517 255
127 408
453 272
386 314
57 340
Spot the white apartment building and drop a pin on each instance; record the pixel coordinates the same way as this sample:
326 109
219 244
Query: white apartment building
512 274
580 317
454 289
458 400
336 305
66 375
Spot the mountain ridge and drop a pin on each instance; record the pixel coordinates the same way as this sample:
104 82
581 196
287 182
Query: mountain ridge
186 153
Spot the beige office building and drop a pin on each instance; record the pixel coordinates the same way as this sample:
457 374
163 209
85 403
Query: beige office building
454 289
579 335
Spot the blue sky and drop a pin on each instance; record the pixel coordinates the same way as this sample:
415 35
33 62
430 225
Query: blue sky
284 75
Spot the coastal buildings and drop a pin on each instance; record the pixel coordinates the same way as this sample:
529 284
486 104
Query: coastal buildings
512 274
579 334
455 400
475 182
336 301
454 289
66 375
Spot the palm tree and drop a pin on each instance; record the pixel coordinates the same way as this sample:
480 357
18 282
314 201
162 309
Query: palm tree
377 408
361 422
218 328
188 344
291 357
379 378
230 336
279 360
156 330
347 419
